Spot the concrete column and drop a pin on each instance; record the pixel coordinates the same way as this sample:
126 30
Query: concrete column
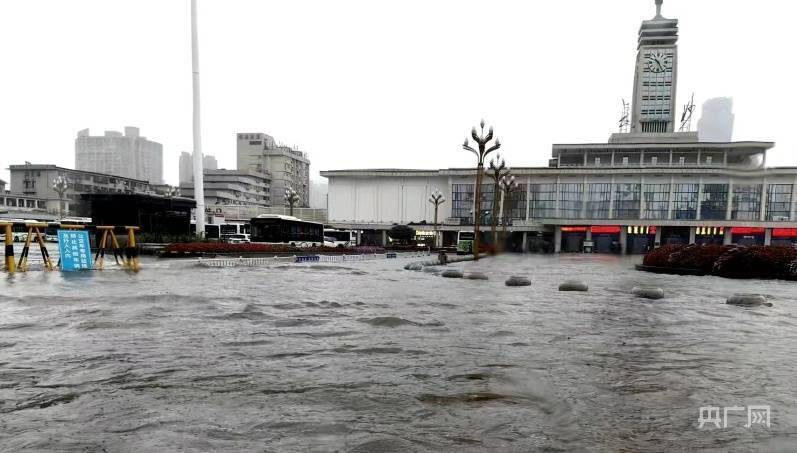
763 199
642 158
584 195
589 233
670 158
612 191
699 198
558 198
727 239
585 158
670 200
557 239
725 159
528 198
729 210
657 240
624 240
525 241
692 235
793 201
768 236
612 158
642 197
384 238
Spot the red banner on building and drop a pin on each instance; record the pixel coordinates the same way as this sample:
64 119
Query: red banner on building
605 229
784 232
747 230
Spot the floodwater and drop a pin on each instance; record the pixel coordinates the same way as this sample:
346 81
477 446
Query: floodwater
368 357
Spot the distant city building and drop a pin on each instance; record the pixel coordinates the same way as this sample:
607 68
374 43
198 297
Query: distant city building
641 190
318 194
716 120
233 187
36 181
288 167
187 166
2 186
129 155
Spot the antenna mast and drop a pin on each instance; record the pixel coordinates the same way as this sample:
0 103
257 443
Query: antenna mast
686 117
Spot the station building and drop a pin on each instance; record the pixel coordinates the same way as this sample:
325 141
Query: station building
647 186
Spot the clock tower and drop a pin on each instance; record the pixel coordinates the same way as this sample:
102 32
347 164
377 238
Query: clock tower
656 75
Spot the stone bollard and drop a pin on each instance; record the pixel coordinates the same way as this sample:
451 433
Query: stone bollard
573 285
476 276
518 281
451 273
748 300
413 266
648 292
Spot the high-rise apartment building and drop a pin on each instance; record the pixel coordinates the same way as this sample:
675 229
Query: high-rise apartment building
288 167
187 166
128 155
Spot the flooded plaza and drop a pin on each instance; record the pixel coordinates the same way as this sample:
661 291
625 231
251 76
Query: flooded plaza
370 357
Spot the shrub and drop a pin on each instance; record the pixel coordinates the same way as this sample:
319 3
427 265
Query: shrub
660 257
758 262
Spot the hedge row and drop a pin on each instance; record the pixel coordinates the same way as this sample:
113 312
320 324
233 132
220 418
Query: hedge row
728 260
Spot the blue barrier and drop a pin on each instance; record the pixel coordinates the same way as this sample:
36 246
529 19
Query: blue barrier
391 255
307 259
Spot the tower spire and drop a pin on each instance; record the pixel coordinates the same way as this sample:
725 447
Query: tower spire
658 9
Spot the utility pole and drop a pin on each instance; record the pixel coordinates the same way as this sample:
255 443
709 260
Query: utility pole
199 179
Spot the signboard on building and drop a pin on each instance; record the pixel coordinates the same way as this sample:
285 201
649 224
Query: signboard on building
75 250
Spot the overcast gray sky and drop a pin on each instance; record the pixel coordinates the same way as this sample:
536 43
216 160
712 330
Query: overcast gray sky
364 83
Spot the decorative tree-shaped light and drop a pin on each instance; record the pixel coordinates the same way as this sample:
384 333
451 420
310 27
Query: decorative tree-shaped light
482 142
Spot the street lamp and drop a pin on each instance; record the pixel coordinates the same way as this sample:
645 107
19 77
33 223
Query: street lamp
483 151
496 171
291 198
436 198
60 186
508 185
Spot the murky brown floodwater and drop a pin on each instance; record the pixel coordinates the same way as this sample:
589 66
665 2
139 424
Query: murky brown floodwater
369 357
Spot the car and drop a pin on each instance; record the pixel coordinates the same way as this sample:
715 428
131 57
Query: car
17 237
237 239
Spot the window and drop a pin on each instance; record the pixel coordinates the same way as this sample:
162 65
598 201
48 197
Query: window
543 201
654 160
570 200
685 201
625 160
626 201
778 202
746 202
714 204
709 159
598 198
462 202
515 208
657 201
681 160
597 161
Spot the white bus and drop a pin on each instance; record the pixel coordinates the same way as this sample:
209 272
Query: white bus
340 238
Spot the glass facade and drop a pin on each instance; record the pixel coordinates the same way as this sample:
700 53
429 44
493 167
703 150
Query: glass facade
543 201
657 201
462 202
598 198
685 201
515 208
571 196
746 202
626 201
779 202
714 205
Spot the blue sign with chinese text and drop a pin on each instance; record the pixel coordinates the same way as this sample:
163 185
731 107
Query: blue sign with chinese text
75 250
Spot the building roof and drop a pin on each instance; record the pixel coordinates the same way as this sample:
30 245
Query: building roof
72 170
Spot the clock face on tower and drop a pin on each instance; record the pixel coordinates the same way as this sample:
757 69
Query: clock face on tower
659 62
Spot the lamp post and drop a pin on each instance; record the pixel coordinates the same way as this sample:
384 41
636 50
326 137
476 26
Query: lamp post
291 198
508 185
496 171
60 185
483 151
436 198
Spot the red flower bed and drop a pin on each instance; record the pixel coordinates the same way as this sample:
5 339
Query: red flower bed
221 247
728 260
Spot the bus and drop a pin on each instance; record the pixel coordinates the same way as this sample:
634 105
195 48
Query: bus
51 232
19 229
340 238
283 229
465 242
221 231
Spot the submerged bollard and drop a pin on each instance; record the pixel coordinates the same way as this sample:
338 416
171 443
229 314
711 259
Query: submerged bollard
573 285
518 281
648 293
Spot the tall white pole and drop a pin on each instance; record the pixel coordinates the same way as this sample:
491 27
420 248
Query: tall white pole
199 180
